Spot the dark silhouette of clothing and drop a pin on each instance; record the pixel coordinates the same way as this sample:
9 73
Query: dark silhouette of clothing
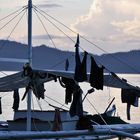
27 70
96 75
70 86
67 65
76 107
16 100
0 106
80 68
129 96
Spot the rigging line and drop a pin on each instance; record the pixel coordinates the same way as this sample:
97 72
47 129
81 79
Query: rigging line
55 19
3 73
34 113
97 111
13 13
48 35
61 62
55 26
45 28
39 104
12 19
111 71
132 68
56 101
13 30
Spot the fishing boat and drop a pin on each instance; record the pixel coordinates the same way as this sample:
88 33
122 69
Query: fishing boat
62 123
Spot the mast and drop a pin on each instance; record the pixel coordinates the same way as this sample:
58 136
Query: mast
30 62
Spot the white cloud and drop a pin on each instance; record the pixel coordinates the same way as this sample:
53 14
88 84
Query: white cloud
112 22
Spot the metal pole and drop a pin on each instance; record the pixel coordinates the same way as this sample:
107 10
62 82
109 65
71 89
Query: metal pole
30 62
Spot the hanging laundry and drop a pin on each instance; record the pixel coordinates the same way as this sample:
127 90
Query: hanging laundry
36 86
16 100
130 97
96 75
26 91
70 86
76 107
0 106
27 70
80 68
38 89
67 65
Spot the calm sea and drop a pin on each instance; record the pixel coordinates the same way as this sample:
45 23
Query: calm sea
99 99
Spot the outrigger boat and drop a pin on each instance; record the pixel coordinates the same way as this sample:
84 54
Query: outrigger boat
83 126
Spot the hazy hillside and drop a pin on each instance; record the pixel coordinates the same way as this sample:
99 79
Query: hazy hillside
47 58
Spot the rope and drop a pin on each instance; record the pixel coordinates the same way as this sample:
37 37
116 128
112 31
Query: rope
33 118
96 111
56 101
13 13
45 28
55 26
13 28
11 19
39 104
132 68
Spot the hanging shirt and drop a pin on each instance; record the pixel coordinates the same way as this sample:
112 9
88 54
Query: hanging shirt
96 75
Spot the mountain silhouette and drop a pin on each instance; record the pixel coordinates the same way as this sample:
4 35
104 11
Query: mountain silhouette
45 57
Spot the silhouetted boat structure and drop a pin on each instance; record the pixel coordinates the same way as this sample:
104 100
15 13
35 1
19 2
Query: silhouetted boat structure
59 123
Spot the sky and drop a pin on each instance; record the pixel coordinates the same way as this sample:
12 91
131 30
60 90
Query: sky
112 25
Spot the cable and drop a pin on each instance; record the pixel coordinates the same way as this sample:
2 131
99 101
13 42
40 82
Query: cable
56 26
96 111
56 101
33 118
45 28
11 19
3 73
132 68
35 10
55 65
13 13
12 30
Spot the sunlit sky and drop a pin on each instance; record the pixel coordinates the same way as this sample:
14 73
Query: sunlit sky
113 25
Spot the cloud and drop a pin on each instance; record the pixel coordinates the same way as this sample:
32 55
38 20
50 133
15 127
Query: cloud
49 5
111 22
47 37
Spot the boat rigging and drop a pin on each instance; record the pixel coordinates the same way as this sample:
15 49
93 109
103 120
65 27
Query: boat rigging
33 78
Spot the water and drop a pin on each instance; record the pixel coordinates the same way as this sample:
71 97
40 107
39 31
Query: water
99 99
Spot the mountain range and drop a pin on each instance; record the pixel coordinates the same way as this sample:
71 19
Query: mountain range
45 57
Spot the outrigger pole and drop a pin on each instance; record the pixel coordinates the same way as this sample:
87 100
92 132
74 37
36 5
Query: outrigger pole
30 62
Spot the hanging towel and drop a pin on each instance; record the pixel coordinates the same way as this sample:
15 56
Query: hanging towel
16 100
96 75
